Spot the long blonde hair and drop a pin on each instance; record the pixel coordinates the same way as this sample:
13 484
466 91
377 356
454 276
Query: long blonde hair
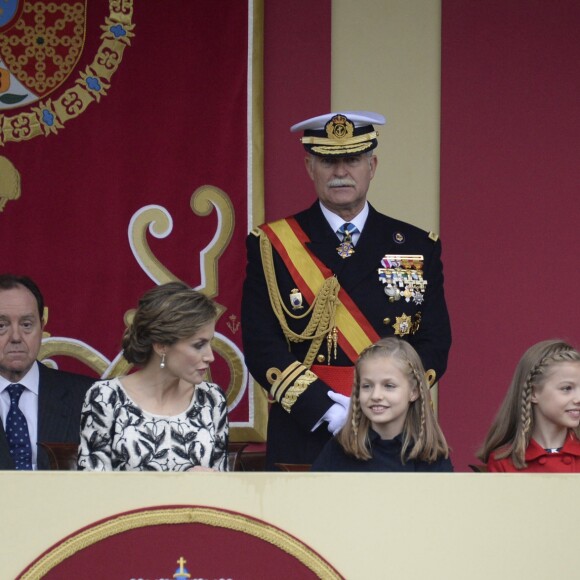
422 436
511 430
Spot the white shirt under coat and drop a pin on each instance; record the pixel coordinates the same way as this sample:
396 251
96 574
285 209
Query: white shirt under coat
28 404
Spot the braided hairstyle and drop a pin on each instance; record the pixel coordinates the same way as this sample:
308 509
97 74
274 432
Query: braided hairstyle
512 428
422 436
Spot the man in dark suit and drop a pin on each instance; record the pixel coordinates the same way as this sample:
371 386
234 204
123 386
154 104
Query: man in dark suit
49 402
328 282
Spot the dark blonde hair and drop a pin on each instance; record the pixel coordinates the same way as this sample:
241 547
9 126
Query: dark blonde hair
422 437
511 430
166 314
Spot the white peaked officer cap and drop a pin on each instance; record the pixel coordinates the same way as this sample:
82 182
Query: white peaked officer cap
340 133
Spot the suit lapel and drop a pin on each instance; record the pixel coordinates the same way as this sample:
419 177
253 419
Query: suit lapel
53 411
6 461
323 241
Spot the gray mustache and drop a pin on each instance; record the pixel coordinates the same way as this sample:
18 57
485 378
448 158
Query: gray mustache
341 183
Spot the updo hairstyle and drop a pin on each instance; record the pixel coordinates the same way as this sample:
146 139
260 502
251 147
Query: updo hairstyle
166 314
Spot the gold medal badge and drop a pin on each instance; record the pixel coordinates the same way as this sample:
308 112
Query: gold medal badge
346 248
403 325
407 324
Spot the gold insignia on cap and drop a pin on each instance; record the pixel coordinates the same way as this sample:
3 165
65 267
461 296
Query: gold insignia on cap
340 139
339 127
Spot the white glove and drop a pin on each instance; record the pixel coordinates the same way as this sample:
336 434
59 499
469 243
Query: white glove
336 415
340 399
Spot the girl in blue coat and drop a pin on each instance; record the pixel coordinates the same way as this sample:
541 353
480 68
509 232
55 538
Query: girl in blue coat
391 425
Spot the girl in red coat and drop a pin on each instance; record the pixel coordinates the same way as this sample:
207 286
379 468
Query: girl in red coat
538 425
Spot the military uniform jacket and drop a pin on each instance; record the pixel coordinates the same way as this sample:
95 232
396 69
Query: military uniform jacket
300 403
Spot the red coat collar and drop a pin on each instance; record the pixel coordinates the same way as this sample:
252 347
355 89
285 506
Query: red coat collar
571 447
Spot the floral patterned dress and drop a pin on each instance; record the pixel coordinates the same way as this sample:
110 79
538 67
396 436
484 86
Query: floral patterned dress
118 435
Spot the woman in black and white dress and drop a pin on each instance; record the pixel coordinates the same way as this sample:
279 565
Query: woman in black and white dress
164 417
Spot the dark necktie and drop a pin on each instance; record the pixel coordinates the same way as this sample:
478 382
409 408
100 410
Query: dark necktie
346 247
17 431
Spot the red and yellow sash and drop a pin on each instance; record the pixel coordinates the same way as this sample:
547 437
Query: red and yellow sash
309 273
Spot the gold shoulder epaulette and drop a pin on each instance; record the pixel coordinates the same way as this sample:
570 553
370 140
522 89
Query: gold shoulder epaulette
433 236
256 232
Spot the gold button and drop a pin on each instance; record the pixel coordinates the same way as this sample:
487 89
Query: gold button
320 358
386 321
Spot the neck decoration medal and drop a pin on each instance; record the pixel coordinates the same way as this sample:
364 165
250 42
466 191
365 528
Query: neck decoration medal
346 248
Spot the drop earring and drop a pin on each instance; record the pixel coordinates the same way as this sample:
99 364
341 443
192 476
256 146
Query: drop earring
162 363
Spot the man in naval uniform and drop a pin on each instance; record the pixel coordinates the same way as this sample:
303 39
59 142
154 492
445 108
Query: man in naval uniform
327 282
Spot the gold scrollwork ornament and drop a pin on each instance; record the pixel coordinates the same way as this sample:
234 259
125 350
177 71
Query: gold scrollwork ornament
9 182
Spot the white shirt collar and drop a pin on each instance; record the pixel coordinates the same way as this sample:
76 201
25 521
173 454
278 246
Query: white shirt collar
30 380
335 221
